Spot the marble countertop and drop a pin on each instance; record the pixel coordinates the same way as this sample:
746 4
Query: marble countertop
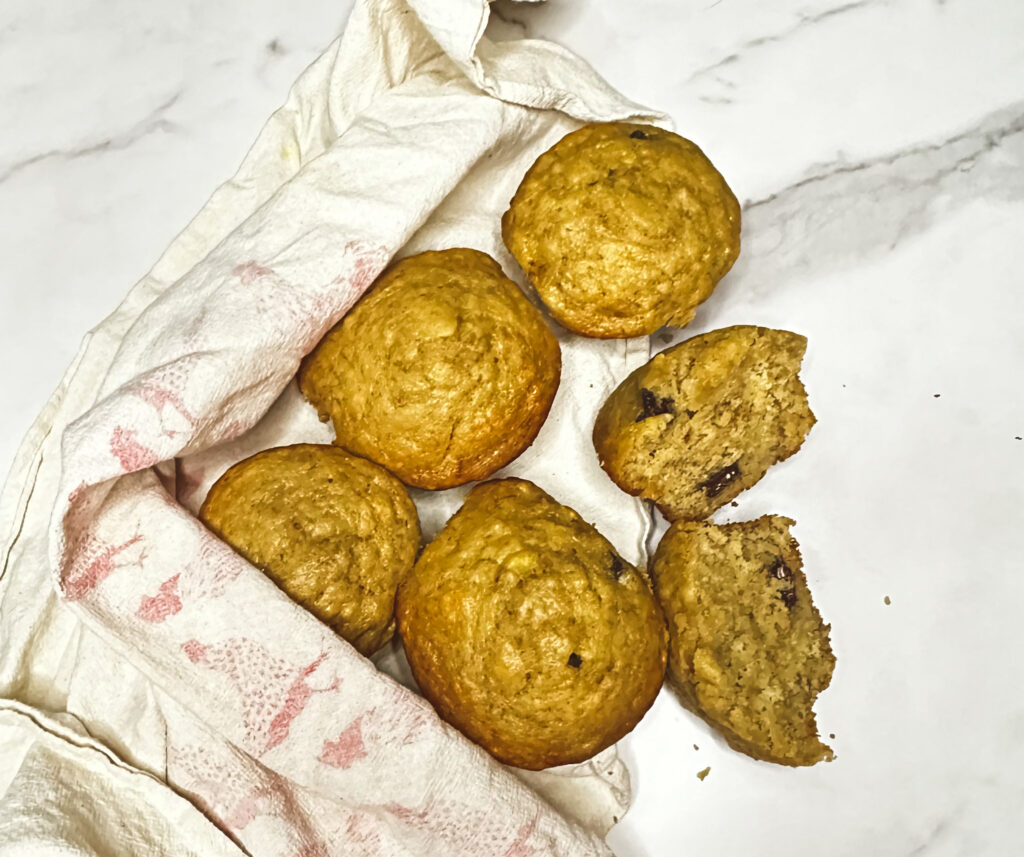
877 146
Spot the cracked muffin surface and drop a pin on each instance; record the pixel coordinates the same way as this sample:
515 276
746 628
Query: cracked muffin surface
748 650
443 373
704 420
528 632
623 228
335 532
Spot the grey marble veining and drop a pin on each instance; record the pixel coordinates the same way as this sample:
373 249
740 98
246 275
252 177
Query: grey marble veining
842 213
155 121
802 19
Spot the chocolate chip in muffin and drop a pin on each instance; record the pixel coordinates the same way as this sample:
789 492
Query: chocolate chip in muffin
575 661
653 405
638 135
718 481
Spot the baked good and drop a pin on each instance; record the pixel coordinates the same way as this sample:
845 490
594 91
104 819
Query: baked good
623 228
704 420
748 651
337 533
528 632
443 373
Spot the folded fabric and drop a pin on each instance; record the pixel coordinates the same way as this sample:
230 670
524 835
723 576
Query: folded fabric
192 674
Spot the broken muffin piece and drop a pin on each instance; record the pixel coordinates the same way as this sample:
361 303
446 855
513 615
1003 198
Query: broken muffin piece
748 651
703 421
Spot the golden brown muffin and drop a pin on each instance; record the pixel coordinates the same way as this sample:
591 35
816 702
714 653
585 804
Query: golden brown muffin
337 533
443 373
704 420
623 228
528 632
748 651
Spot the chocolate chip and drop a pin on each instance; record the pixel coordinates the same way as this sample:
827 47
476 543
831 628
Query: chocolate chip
779 570
653 405
788 597
638 135
718 481
617 567
575 661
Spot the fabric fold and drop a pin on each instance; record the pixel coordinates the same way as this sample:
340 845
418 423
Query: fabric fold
410 131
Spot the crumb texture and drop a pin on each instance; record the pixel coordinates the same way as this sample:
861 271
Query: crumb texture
528 632
703 421
748 650
443 373
622 229
337 533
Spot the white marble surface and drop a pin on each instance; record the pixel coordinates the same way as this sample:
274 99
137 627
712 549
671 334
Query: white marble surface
878 147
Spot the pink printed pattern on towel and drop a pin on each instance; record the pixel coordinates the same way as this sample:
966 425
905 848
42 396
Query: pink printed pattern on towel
207 575
95 561
347 749
130 453
273 692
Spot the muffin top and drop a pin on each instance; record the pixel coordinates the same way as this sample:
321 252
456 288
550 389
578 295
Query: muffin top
443 373
528 632
337 533
622 229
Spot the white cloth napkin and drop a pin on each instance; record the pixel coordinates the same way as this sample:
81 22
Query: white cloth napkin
160 695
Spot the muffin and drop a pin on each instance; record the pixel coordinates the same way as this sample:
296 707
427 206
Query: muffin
704 420
748 651
335 532
528 632
443 373
623 228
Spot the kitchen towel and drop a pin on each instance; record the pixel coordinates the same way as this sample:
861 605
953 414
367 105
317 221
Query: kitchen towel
160 695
